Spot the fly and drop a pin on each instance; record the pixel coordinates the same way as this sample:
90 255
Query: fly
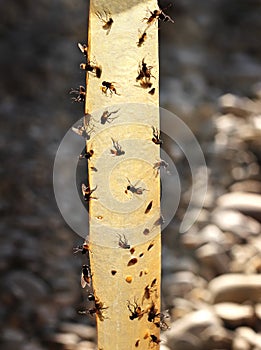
153 313
94 311
148 290
86 155
95 69
106 116
107 86
156 136
158 14
106 20
87 192
123 242
154 339
135 310
146 294
117 151
144 71
144 75
142 39
161 164
84 248
86 276
158 318
162 323
97 309
165 18
81 130
160 221
133 189
80 94
98 304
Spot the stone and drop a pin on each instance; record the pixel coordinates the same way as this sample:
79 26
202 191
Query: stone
247 203
62 341
245 259
254 264
85 345
185 332
235 315
203 218
186 341
252 186
239 106
256 89
216 338
32 346
23 284
181 307
209 233
12 335
227 124
180 283
234 221
213 256
253 338
46 314
236 288
240 343
258 311
172 263
190 240
83 331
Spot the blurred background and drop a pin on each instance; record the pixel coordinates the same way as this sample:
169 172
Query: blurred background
211 78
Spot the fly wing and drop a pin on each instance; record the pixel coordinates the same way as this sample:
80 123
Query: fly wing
83 48
84 189
83 282
77 131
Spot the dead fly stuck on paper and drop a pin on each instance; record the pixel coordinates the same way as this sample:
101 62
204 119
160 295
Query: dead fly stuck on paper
87 192
80 94
117 151
106 19
84 130
86 276
106 116
156 136
92 68
123 242
108 86
133 189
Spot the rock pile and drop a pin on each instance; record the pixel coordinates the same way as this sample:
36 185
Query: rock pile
215 302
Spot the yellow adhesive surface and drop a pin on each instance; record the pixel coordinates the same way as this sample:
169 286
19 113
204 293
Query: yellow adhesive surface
120 276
